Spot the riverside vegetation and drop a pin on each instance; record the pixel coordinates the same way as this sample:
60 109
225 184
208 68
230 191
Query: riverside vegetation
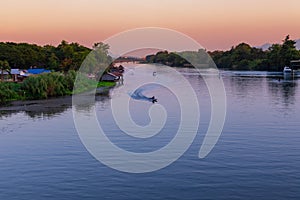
240 57
65 59
48 85
64 62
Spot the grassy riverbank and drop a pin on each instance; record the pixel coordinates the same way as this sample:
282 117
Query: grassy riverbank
45 86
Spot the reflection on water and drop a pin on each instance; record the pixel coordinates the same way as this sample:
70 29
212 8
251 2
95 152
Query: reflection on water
251 91
45 113
257 156
51 107
86 102
247 87
284 90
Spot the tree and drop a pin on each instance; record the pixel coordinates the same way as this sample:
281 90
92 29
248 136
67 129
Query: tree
70 55
97 61
274 57
101 46
53 62
4 66
288 51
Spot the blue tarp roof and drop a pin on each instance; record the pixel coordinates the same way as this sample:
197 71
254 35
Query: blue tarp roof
38 71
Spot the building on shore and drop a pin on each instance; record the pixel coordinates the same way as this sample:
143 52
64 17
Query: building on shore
18 75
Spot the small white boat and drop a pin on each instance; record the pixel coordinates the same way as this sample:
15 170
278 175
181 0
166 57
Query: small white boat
287 70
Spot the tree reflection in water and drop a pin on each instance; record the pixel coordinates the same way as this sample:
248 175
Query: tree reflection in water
48 108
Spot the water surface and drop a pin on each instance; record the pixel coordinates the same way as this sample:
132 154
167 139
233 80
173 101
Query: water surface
256 157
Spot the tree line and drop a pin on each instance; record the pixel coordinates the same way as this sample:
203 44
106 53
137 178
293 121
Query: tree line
66 56
240 57
64 62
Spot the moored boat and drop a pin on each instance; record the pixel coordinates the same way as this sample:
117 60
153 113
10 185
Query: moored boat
287 70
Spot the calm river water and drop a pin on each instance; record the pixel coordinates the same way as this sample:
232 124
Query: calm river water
256 157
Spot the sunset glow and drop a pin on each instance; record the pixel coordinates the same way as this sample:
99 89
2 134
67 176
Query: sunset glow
215 24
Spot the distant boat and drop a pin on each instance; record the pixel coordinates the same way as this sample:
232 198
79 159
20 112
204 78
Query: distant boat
287 70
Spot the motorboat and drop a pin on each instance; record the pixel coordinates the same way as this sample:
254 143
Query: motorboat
153 99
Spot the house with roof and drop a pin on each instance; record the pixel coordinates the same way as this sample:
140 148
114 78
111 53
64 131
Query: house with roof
18 75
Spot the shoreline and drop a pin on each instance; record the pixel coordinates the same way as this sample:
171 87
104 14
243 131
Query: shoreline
54 104
41 105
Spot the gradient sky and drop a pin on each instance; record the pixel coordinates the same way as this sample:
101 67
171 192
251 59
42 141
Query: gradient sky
215 24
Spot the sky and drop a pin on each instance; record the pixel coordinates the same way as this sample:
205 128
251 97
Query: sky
215 24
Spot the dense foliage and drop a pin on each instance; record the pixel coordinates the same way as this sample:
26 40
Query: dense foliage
4 67
62 60
9 92
98 60
198 58
245 57
47 85
66 56
166 58
240 57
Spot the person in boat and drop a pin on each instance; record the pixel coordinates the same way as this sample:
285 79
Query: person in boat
153 99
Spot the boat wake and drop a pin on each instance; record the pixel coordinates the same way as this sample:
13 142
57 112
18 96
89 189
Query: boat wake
140 93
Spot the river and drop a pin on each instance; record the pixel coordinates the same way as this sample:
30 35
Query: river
256 157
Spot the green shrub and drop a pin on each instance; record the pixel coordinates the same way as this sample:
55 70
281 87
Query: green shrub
9 92
55 84
48 85
45 85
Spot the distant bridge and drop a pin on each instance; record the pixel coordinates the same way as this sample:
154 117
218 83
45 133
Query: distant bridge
129 60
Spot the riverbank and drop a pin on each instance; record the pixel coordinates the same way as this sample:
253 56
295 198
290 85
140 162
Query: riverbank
51 105
46 86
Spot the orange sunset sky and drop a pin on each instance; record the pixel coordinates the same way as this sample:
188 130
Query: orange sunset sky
215 24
